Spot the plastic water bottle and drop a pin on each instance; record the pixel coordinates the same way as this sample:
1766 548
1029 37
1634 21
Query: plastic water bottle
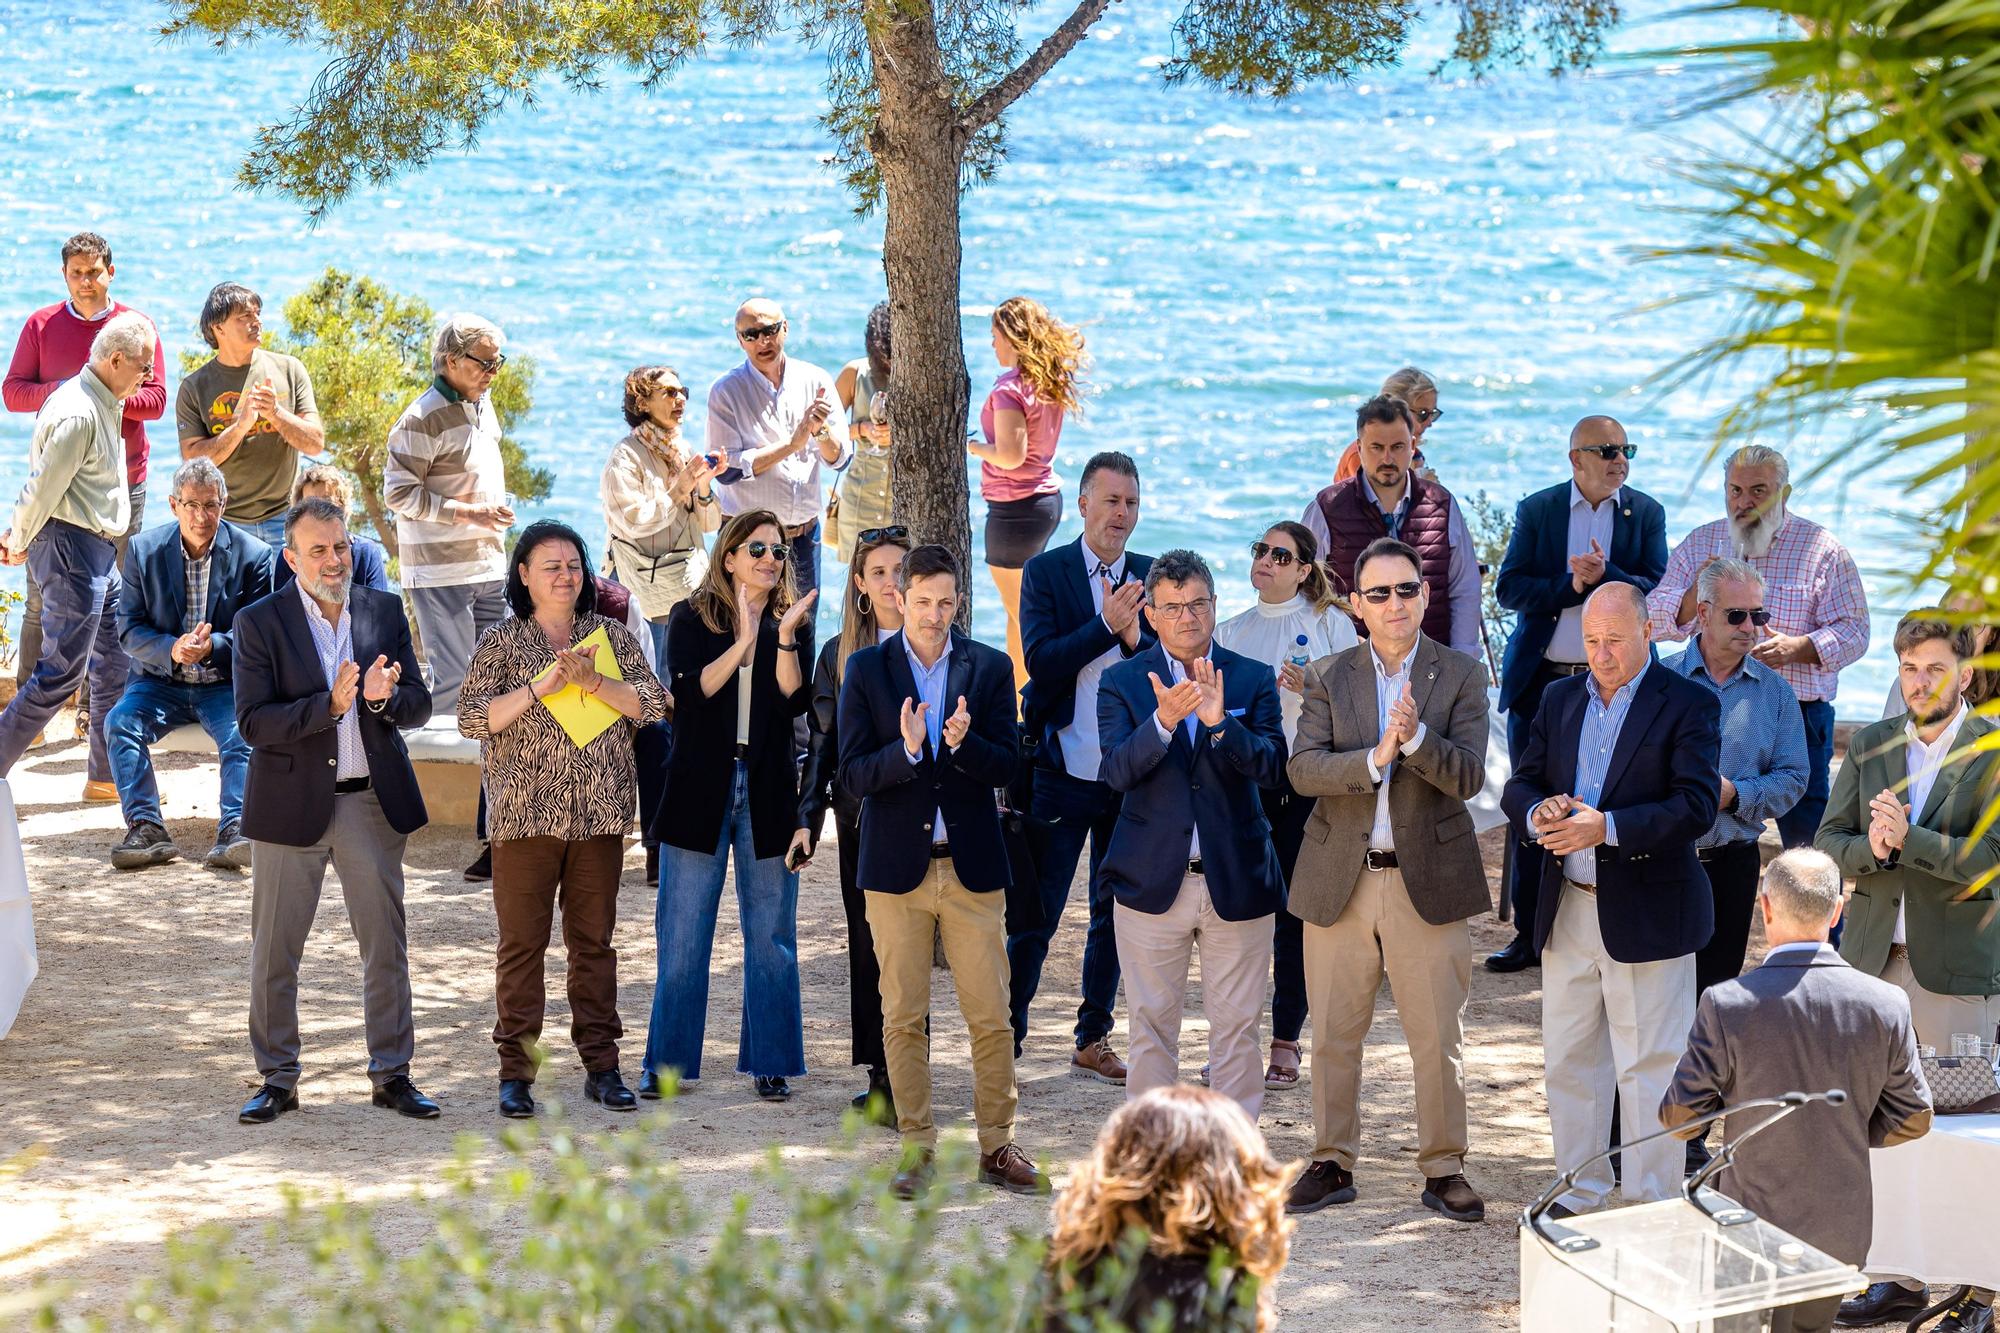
1300 657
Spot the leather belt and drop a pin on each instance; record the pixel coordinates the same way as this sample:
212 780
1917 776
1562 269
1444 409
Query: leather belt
1590 889
800 529
1377 859
348 786
742 753
1194 865
940 851
1565 668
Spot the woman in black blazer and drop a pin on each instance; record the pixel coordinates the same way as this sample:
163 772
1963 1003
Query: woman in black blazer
869 614
732 781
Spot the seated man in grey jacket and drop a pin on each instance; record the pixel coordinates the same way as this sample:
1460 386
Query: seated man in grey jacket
1805 1021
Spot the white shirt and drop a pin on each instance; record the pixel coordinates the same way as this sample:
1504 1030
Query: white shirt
747 412
335 645
1585 526
1269 632
1178 673
1078 740
1388 689
1925 763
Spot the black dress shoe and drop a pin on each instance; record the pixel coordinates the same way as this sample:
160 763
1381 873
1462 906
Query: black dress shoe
609 1091
269 1103
231 850
1516 957
649 1085
146 844
481 868
401 1096
774 1088
876 1102
516 1102
1968 1316
1882 1303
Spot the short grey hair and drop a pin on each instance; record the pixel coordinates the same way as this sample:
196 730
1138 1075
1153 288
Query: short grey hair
1760 455
1803 887
200 472
1718 572
459 335
1179 565
129 334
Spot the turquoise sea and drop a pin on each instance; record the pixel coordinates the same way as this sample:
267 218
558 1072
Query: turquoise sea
1246 270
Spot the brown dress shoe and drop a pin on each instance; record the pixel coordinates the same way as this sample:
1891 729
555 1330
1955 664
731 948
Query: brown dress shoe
100 793
1455 1198
1320 1185
1009 1168
915 1177
1098 1061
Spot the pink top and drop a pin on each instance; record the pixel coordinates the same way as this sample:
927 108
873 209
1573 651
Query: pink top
1037 474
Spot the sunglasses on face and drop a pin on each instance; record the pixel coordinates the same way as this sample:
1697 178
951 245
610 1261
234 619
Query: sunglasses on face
1280 556
1737 615
490 367
895 532
1407 591
758 550
1425 416
757 333
1607 452
672 391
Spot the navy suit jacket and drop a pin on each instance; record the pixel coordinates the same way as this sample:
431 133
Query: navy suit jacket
1171 790
371 565
1534 581
1062 633
154 595
899 799
1661 792
284 708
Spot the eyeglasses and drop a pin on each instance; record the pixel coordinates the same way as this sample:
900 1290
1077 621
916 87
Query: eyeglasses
895 532
1425 416
1737 615
210 507
1406 591
1280 555
758 550
672 391
1179 610
1607 452
490 367
757 333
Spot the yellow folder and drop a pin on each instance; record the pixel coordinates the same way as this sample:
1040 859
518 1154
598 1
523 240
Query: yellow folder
585 717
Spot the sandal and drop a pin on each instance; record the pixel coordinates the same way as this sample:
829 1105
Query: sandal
1284 1070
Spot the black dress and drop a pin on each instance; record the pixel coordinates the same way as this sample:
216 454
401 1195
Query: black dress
1180 1286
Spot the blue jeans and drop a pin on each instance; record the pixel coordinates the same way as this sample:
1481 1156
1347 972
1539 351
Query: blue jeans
79 635
1797 826
805 559
270 531
151 708
1071 811
771 1041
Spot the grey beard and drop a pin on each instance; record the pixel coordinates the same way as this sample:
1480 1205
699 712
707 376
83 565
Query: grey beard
326 592
1753 539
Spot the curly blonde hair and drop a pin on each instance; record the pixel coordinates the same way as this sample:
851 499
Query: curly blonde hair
1185 1166
1051 353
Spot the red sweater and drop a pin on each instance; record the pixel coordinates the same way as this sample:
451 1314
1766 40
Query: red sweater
54 346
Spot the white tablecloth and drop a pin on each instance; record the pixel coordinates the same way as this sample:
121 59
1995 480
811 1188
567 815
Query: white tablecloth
1937 1204
1485 807
17 916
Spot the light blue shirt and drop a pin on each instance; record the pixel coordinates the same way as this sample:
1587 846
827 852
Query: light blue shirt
1763 744
1177 673
335 645
930 690
1595 745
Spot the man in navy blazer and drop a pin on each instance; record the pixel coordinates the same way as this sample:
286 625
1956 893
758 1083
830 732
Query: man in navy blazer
1567 540
1619 780
326 678
1190 732
1079 616
183 586
926 734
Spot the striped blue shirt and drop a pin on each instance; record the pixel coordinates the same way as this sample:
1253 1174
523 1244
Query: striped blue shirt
1596 742
335 645
1763 744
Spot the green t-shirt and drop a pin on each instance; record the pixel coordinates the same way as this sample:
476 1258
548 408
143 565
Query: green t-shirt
261 471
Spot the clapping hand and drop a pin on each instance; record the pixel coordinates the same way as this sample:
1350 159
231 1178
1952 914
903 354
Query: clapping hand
1582 830
916 726
346 682
1121 610
747 617
383 676
194 646
1888 824
1400 729
261 401
1208 681
1586 570
578 667
795 613
957 725
1549 813
1174 703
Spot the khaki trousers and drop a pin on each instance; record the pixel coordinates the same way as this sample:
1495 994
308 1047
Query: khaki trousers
1430 975
973 927
1936 1017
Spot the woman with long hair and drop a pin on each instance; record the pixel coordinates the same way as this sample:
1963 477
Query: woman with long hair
736 650
1041 360
870 613
861 501
1420 391
1179 1212
1295 621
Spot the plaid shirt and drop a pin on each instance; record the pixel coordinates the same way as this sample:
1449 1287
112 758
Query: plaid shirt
335 644
1811 587
192 614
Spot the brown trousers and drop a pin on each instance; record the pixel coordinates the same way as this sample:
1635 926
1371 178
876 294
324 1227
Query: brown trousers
530 877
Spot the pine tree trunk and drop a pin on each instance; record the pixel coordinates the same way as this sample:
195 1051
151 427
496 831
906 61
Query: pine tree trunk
919 151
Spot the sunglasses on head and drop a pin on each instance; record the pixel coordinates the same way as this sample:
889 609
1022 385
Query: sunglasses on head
758 332
1737 615
1607 452
1407 591
1280 555
895 532
758 550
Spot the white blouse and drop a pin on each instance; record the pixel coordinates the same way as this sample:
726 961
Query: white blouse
1269 632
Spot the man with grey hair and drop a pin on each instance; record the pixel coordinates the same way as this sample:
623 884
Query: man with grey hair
182 589
446 483
1189 733
72 511
1805 1021
1819 610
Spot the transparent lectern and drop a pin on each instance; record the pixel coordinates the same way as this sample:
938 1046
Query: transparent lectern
1697 1264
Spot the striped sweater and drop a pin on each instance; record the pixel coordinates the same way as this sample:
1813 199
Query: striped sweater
444 449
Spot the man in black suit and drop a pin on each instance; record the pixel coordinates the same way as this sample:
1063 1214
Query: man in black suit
926 734
329 780
1568 540
1079 615
1619 780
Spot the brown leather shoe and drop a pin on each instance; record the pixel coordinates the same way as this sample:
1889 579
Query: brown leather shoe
1320 1185
1455 1198
915 1177
1098 1061
100 793
1009 1168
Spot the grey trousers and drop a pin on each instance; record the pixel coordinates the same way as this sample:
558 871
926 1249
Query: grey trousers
284 896
452 620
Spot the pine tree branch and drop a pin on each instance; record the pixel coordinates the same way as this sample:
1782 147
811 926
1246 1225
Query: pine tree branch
989 105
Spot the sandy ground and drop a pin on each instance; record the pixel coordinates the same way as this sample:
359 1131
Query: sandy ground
130 1058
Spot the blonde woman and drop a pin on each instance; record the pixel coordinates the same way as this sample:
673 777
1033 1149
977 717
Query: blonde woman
1041 359
862 501
323 481
659 500
1177 1221
1420 391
